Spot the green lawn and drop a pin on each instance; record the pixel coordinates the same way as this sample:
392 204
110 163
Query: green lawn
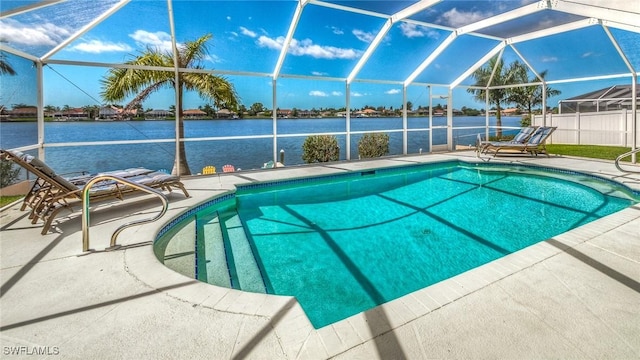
589 151
5 200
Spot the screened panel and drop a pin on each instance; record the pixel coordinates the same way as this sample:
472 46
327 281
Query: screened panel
12 5
455 59
567 57
40 30
403 49
540 20
510 60
456 13
332 49
308 94
418 97
253 92
395 144
247 35
124 35
629 42
418 142
76 86
382 7
94 159
365 95
18 101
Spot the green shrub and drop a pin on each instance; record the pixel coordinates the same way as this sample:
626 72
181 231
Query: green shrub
8 175
525 121
320 148
373 145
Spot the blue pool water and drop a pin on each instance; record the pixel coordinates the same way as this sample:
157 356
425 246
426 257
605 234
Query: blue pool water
342 245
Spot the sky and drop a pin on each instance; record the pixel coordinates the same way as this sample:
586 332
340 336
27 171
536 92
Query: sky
327 44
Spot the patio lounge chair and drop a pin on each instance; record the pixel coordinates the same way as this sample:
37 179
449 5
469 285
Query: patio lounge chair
520 138
52 192
228 168
534 145
41 185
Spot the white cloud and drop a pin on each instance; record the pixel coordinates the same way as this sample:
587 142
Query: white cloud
363 35
413 30
455 18
275 44
159 40
318 73
97 47
545 23
247 32
228 17
213 58
392 91
336 30
318 93
234 33
308 48
587 54
336 93
32 34
356 94
549 59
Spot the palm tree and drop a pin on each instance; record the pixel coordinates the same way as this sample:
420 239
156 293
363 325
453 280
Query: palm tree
92 111
5 67
529 96
501 76
121 83
50 110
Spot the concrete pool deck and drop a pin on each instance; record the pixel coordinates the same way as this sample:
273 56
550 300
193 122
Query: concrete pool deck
576 295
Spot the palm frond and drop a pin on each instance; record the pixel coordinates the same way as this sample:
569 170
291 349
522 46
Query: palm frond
6 68
212 87
191 52
120 83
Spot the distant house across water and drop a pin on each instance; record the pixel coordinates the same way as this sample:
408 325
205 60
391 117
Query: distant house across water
157 114
116 113
226 114
194 114
23 112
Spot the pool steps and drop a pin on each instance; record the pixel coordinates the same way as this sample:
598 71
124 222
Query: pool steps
227 246
212 266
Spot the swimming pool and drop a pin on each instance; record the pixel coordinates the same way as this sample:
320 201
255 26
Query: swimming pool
345 243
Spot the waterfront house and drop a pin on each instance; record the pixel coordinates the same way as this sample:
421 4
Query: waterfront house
194 114
23 112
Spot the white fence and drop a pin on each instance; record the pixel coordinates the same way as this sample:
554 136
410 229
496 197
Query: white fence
597 128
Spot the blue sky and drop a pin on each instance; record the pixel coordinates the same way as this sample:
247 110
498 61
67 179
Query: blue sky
327 43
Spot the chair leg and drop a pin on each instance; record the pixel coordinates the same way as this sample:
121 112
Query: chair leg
51 216
184 190
29 196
